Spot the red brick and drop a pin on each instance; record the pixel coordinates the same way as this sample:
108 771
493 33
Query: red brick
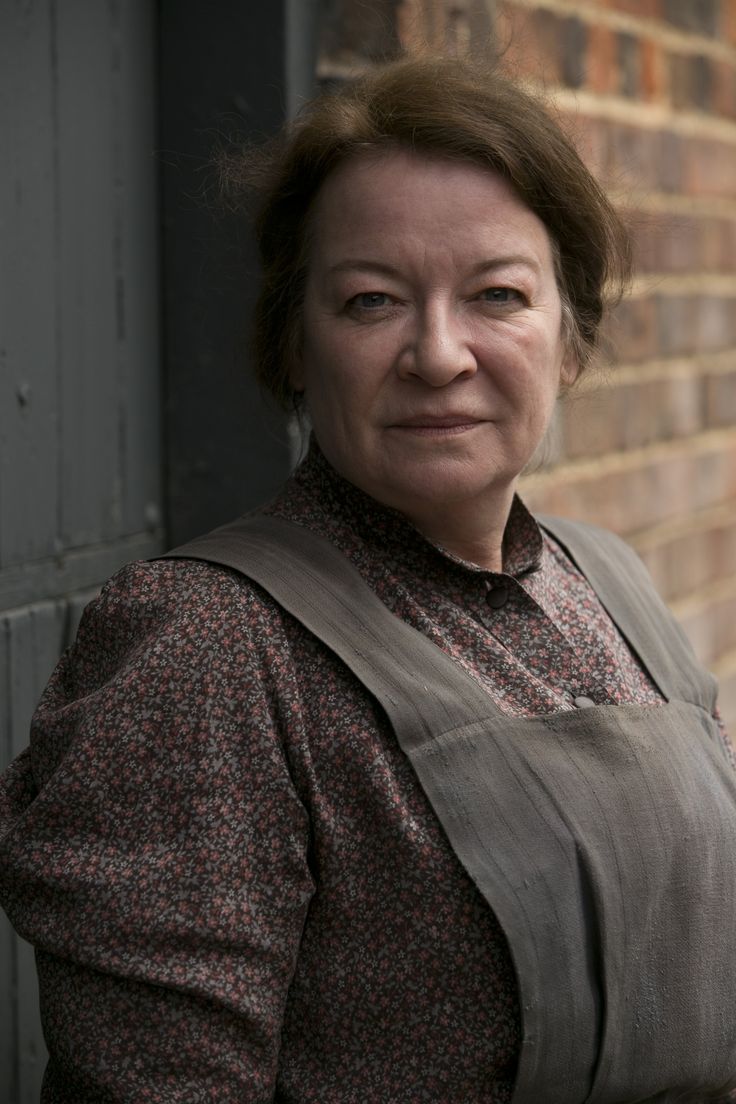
723 551
688 324
710 167
677 321
663 488
601 59
629 416
632 156
589 424
668 485
727 702
727 238
360 30
716 323
645 230
699 16
679 76
646 9
689 561
681 245
719 245
628 56
631 334
530 43
653 76
666 243
670 160
644 158
695 324
728 21
574 42
724 91
702 82
720 401
711 629
590 137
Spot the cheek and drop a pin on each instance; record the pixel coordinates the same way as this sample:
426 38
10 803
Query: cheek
349 367
331 386
531 375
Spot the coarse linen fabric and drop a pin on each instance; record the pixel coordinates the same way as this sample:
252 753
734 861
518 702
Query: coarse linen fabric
235 885
603 839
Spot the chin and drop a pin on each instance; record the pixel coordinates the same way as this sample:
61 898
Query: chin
438 492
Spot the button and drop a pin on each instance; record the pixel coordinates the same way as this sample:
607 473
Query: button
581 702
497 596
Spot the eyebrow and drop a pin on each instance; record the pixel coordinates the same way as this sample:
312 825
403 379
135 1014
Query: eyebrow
353 265
507 261
357 264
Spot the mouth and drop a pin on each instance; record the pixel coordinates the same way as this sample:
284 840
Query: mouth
438 425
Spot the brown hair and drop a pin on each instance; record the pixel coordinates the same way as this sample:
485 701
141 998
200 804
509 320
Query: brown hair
445 107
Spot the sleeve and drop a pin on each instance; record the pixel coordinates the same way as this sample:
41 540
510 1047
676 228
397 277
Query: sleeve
153 846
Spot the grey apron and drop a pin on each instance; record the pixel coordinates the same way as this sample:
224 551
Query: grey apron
604 839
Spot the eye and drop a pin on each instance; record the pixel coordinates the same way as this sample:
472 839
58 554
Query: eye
370 300
500 295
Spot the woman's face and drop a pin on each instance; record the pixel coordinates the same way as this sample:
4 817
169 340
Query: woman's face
431 352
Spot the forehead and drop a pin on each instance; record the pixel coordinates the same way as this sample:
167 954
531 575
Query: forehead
400 197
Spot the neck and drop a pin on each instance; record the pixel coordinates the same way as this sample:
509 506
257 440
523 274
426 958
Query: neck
467 532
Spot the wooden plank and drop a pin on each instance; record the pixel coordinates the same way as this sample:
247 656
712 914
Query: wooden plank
90 478
28 316
8 963
6 747
225 451
137 264
79 569
8 1017
32 1053
34 639
75 608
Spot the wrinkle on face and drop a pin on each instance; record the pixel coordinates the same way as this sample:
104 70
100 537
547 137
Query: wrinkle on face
431 290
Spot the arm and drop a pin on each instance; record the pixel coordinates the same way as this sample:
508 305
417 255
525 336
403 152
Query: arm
160 869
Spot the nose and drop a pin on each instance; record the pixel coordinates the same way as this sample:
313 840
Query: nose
438 349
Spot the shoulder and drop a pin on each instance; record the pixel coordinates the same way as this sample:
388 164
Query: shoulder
624 586
174 631
584 535
172 658
608 562
610 565
185 602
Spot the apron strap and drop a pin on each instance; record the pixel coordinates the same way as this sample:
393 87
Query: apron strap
571 825
622 583
314 582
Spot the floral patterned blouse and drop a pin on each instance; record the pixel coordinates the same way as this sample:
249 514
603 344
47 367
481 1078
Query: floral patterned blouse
236 888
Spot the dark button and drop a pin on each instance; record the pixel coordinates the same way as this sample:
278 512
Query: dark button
581 702
497 596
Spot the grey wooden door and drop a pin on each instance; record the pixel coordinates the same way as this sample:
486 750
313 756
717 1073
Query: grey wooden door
126 421
80 382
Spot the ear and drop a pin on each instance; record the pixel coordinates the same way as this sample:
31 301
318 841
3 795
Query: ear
571 364
569 369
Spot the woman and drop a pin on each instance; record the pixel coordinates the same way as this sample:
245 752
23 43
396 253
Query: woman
417 800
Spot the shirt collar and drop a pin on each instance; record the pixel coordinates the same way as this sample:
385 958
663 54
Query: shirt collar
318 497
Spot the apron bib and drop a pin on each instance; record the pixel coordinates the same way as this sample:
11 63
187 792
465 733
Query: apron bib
604 839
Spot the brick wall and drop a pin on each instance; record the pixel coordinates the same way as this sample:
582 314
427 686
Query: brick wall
647 446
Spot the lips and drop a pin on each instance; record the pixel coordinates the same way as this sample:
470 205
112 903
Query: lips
437 421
